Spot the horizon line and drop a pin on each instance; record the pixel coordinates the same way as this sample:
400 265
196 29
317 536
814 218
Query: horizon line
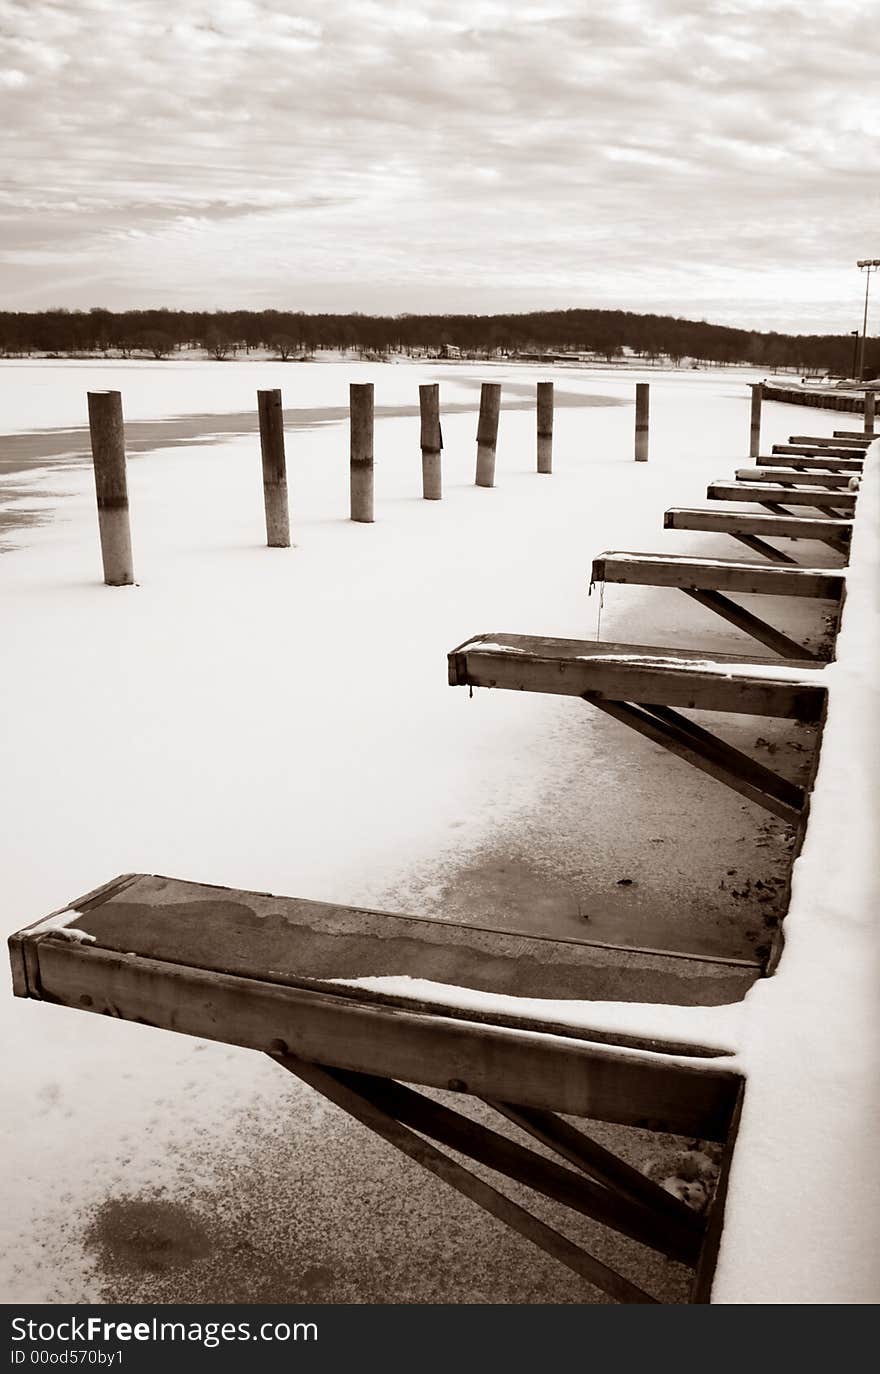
416 315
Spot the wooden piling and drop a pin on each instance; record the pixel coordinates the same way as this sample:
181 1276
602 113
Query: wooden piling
274 469
870 402
545 426
755 422
431 441
361 413
108 455
643 392
487 433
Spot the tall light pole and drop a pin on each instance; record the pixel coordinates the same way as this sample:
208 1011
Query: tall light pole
868 265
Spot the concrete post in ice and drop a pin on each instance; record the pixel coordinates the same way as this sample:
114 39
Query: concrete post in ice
361 415
869 411
274 469
755 423
643 391
487 433
545 426
431 441
111 487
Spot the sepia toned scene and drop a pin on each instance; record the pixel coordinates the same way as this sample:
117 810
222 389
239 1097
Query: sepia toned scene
439 543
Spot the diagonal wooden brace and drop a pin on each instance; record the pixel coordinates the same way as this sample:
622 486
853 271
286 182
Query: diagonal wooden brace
711 755
334 1085
761 546
584 1153
702 1288
838 545
752 624
825 512
597 1200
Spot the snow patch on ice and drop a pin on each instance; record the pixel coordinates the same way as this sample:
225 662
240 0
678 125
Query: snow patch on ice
715 1027
58 924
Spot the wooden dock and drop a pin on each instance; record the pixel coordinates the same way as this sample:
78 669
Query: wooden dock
818 399
285 976
263 972
647 689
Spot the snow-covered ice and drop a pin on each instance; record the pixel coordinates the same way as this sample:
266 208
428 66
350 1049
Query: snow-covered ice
280 720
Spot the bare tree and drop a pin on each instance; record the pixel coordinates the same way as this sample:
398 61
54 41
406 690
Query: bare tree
155 341
218 344
283 345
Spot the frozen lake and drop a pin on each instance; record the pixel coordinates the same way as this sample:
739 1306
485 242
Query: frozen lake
280 720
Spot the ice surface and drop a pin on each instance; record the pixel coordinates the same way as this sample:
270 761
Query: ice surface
280 720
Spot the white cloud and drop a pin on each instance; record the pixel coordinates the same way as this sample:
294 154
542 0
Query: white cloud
460 153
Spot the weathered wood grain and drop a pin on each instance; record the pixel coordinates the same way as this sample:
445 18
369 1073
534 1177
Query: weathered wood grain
786 477
629 672
574 1077
834 532
842 501
678 570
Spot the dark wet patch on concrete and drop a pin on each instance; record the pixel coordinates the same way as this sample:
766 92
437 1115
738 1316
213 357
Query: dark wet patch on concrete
323 1211
154 1249
143 1235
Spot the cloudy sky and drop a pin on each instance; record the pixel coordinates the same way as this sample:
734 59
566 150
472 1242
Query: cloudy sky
717 159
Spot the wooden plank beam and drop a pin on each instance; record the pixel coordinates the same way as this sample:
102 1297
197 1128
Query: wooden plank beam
851 465
310 945
719 574
843 501
752 624
787 477
620 672
22 952
560 1074
840 439
813 450
453 1173
857 435
835 533
707 753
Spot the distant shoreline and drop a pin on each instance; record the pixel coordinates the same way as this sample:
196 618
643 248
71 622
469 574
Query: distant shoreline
393 357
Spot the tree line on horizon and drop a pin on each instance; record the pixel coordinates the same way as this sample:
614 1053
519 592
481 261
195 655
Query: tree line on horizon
293 334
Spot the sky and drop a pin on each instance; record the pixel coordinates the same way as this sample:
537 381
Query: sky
714 159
